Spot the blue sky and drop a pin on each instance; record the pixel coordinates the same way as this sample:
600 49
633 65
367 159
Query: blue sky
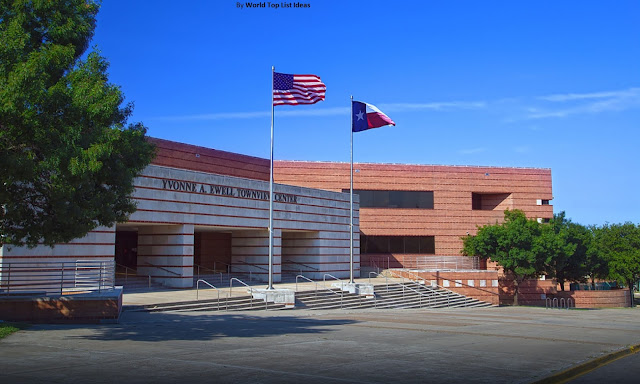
546 84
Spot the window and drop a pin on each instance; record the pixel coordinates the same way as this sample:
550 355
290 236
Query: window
394 199
490 201
397 244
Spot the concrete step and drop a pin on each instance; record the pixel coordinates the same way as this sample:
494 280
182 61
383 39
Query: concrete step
238 303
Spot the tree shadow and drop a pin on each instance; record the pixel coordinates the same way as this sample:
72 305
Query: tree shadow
171 326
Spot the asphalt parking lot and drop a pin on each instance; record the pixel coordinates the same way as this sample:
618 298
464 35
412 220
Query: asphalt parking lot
496 345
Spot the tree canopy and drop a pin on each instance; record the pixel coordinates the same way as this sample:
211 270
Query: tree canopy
620 246
67 154
570 263
566 251
523 247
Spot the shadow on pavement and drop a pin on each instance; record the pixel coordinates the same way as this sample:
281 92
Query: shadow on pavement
171 326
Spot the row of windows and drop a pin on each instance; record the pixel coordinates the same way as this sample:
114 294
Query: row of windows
424 199
394 199
397 244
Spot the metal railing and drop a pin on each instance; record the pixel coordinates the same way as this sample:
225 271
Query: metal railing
341 293
243 283
421 294
56 278
245 264
554 303
310 268
214 272
447 262
126 273
217 291
309 280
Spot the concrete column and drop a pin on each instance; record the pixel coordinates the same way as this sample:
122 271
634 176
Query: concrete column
250 252
166 253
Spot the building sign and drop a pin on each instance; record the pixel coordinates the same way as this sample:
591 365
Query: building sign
218 190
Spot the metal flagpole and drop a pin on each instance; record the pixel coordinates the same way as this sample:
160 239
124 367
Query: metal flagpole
271 192
351 202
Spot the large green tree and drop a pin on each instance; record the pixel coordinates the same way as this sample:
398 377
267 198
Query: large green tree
67 155
522 246
620 246
596 265
569 263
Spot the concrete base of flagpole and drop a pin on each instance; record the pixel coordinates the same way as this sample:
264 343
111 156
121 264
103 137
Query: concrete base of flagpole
278 296
357 288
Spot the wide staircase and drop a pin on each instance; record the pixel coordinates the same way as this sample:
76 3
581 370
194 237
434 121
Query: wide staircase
388 294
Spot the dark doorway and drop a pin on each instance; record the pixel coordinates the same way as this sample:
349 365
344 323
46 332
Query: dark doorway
212 250
127 248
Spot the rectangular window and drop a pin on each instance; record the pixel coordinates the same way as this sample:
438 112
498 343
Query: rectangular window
397 244
394 199
489 201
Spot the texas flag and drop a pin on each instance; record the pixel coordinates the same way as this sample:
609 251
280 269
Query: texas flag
366 116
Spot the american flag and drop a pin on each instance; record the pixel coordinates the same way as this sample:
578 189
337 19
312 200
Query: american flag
297 89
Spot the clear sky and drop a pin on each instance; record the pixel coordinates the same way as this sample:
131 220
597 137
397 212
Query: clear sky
545 84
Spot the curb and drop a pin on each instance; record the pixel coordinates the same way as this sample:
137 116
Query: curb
578 370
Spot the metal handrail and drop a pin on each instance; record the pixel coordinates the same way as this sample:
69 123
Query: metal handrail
341 293
162 268
46 278
309 280
386 279
432 292
217 291
208 269
222 262
243 283
126 270
295 262
253 265
135 274
324 281
418 277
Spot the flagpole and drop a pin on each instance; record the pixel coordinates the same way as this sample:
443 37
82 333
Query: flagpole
351 202
271 192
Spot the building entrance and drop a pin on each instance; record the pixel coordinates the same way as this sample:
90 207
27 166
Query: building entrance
126 252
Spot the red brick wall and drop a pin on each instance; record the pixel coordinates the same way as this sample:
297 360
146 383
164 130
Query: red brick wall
452 216
597 299
530 292
63 309
470 282
195 158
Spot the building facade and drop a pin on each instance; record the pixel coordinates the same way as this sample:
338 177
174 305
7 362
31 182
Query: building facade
415 216
201 210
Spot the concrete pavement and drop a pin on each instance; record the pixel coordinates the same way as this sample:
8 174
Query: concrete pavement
489 345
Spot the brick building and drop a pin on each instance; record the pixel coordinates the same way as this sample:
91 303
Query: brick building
204 208
414 216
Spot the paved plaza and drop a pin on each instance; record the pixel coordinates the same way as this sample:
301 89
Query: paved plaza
490 345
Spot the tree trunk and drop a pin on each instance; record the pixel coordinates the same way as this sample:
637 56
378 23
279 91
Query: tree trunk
515 291
631 303
593 283
561 285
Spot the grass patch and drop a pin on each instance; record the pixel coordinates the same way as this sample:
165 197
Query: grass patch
8 328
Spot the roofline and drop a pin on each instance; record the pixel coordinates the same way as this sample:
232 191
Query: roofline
411 164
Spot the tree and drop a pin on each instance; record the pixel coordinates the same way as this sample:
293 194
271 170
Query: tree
596 265
569 261
68 159
522 246
620 246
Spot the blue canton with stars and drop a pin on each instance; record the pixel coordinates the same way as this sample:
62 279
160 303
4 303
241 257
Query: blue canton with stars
282 81
359 116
